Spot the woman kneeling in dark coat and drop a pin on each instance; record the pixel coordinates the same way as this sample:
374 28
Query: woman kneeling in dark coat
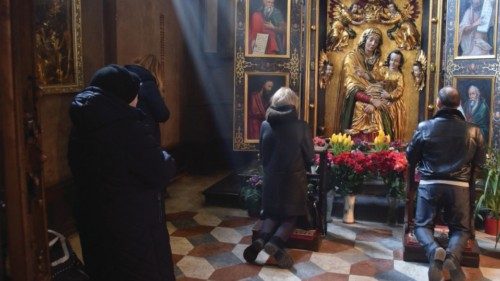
120 172
287 151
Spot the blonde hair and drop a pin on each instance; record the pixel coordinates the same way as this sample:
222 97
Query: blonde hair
151 63
285 96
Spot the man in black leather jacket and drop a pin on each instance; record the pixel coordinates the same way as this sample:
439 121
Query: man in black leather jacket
446 150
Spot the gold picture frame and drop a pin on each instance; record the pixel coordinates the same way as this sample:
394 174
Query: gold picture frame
256 102
480 112
58 46
267 44
480 42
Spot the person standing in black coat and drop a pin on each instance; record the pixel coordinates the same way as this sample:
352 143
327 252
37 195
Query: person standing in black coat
287 151
150 100
120 172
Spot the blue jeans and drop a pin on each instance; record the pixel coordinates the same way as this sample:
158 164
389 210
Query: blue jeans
456 203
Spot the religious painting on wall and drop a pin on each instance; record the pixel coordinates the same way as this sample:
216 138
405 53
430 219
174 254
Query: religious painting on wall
475 32
58 54
268 54
268 28
374 47
476 95
259 87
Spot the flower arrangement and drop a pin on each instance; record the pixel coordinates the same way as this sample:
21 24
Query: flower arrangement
390 166
340 143
319 142
381 141
349 170
251 195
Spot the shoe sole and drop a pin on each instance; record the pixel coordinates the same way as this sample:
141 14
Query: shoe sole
435 269
456 272
281 256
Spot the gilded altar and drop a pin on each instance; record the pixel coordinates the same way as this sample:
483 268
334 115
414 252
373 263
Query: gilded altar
399 24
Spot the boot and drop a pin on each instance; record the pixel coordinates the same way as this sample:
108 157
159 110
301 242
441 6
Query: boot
436 264
275 248
252 251
453 265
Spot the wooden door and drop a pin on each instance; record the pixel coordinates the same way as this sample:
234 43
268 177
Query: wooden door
22 157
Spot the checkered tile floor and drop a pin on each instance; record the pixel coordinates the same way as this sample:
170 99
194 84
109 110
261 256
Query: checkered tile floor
210 247
208 243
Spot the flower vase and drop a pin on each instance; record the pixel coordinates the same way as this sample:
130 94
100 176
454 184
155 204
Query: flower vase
329 205
349 201
392 204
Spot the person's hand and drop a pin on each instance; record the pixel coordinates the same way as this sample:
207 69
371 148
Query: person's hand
378 104
385 95
369 109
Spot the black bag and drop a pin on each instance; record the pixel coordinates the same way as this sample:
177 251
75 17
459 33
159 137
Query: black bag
65 265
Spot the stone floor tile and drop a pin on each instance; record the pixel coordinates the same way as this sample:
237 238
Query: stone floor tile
329 276
223 260
226 234
207 219
372 267
201 239
394 275
361 278
417 271
270 273
331 263
306 270
299 255
332 245
491 273
237 221
180 216
374 250
352 256
171 228
246 272
180 245
372 235
210 249
192 231
195 267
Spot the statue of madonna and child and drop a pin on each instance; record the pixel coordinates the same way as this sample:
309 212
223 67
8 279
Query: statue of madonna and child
370 92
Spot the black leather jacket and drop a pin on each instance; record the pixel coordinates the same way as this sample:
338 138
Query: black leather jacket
446 147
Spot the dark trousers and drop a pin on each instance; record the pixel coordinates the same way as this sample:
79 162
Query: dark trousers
455 201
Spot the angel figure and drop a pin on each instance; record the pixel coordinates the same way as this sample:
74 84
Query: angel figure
325 71
340 32
404 32
418 71
373 10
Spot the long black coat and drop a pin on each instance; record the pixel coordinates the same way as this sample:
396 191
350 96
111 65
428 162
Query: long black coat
120 172
150 100
287 151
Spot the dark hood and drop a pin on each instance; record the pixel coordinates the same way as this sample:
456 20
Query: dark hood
281 114
117 81
91 110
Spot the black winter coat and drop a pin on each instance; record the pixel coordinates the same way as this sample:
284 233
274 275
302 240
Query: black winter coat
287 151
120 172
150 100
